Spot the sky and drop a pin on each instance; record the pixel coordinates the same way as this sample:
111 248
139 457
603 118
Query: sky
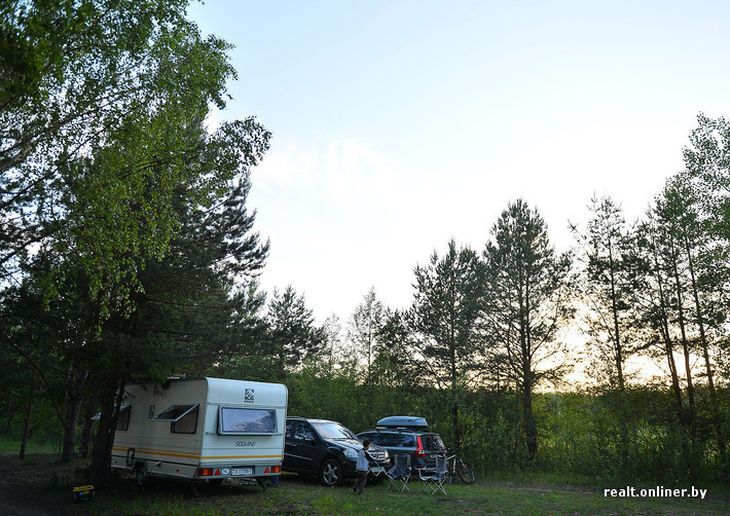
398 125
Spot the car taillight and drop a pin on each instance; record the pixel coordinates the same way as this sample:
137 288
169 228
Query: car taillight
205 472
276 469
420 452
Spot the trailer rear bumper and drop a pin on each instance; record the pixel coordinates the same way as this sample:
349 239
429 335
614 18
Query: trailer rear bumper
208 471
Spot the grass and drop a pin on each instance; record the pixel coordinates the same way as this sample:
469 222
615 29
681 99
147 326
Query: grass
42 484
12 445
567 481
295 496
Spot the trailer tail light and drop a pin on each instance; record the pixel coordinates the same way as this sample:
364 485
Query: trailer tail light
420 452
276 469
205 472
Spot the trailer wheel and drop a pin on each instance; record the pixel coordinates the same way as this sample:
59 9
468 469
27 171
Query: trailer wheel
330 474
140 475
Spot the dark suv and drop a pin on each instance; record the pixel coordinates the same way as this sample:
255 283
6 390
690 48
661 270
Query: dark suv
407 435
326 449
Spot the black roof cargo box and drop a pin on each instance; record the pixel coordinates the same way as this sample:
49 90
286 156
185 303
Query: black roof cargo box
410 422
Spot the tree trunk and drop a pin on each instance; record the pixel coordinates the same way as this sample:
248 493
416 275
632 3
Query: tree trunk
111 398
86 432
8 420
682 329
530 425
618 345
455 425
69 429
619 359
455 411
370 347
26 419
682 414
721 444
75 381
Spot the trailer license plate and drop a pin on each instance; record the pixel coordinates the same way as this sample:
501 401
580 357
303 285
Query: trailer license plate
241 472
377 470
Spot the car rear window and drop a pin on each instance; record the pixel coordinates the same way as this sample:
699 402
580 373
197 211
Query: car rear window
432 442
400 440
388 439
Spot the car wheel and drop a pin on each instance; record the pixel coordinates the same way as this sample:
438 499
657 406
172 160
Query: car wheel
330 474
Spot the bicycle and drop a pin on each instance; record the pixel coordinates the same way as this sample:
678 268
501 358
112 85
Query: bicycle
458 467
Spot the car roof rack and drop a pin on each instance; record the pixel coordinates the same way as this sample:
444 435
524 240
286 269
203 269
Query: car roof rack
402 423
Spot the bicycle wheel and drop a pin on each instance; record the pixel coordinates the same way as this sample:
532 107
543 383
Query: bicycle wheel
466 474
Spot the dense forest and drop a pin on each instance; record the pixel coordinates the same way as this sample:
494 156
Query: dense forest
128 252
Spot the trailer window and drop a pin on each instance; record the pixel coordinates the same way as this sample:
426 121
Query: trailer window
123 419
187 424
175 412
236 420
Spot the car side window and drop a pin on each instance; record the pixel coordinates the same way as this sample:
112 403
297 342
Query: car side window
389 439
303 433
383 440
291 429
372 437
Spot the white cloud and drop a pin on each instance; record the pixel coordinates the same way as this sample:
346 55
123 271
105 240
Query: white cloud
343 216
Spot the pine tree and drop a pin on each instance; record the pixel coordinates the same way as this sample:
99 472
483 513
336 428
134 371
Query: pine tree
606 283
607 279
292 334
447 301
527 303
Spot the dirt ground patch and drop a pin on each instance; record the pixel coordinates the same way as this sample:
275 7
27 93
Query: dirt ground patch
39 484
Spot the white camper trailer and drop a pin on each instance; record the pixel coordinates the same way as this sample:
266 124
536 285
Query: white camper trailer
202 429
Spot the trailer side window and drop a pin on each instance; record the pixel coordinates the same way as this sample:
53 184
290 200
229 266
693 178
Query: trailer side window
123 418
235 420
175 412
187 424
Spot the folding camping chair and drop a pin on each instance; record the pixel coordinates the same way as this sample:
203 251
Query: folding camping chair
434 479
400 473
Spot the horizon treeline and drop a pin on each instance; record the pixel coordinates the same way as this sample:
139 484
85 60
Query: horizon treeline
128 253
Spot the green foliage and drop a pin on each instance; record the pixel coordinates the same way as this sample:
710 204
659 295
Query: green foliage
607 282
100 113
292 336
448 296
365 331
528 298
581 435
707 159
127 252
528 301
